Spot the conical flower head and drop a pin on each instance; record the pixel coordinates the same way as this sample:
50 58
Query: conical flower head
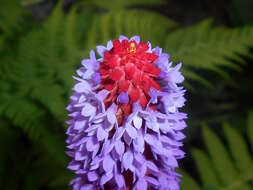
125 127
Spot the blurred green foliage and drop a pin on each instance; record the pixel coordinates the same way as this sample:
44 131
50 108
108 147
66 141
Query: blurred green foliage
220 167
38 59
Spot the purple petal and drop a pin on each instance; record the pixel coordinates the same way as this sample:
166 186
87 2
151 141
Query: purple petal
139 144
163 61
152 181
136 107
92 55
139 158
141 185
178 153
88 110
92 127
120 180
157 50
175 76
152 167
81 87
96 78
70 153
96 160
119 132
179 136
87 187
127 160
95 151
108 164
119 147
79 125
150 139
74 165
121 38
101 50
163 180
91 145
171 161
111 113
105 178
136 39
92 176
87 63
137 121
143 170
82 98
174 184
107 147
127 139
80 156
180 125
109 45
149 47
87 74
167 140
102 94
131 131
101 134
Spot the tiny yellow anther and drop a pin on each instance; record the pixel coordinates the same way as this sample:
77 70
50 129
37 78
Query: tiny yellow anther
132 47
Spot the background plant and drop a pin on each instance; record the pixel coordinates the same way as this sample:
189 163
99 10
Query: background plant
38 57
220 167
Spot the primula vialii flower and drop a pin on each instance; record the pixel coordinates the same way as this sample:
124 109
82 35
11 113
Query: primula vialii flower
125 127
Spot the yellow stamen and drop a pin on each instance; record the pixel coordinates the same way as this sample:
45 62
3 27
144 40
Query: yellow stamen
132 47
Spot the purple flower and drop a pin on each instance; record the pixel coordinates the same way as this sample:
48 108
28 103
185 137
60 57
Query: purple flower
125 128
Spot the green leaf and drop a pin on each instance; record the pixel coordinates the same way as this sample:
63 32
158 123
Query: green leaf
220 157
205 168
239 151
115 5
208 48
188 182
222 162
217 170
9 21
144 23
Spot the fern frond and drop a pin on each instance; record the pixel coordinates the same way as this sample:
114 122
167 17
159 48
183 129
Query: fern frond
205 168
220 157
7 20
150 26
223 169
11 16
30 2
204 47
239 151
188 182
115 5
39 73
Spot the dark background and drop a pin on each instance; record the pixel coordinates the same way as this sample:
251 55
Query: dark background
43 42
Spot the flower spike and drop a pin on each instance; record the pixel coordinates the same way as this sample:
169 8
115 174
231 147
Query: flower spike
125 127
